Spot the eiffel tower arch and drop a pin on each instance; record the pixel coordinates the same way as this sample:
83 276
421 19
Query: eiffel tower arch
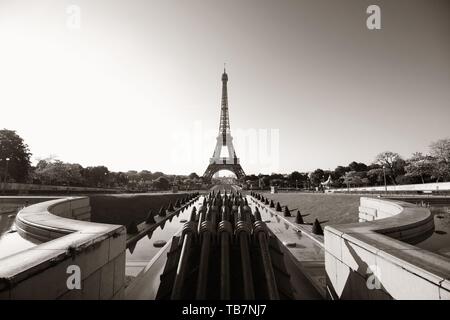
224 140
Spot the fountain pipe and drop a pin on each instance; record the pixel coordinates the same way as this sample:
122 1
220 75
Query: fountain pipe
207 229
188 234
201 215
260 231
225 230
243 232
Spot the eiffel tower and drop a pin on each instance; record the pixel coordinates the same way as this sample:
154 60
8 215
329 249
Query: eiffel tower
224 140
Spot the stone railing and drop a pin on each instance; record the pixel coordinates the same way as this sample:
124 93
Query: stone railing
375 259
69 242
422 187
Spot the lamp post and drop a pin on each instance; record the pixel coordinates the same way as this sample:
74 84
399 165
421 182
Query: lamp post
384 175
6 175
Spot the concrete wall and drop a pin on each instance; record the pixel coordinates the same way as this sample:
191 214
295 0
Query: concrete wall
375 259
41 272
42 188
14 203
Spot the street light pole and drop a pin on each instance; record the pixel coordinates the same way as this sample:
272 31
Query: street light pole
384 174
6 175
106 178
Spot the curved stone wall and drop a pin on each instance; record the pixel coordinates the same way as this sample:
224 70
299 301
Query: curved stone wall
48 220
42 272
406 222
376 258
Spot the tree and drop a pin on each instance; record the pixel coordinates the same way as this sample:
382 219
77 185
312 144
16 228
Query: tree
297 179
132 175
365 181
73 174
12 147
96 176
392 162
316 177
276 182
251 177
295 175
118 179
337 175
276 176
49 171
340 171
265 179
404 179
357 166
440 150
145 175
419 166
375 176
193 176
162 183
56 172
157 174
353 178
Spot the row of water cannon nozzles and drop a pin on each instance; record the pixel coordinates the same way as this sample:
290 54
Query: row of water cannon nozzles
228 200
232 205
316 225
178 204
181 203
225 213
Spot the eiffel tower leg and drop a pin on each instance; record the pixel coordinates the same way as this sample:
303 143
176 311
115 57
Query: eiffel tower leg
213 168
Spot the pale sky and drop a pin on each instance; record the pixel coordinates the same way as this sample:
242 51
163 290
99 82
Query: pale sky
137 86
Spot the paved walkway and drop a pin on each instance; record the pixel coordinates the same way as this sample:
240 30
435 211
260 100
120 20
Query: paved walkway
306 248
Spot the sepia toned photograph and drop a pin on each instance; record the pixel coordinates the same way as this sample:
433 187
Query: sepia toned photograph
216 156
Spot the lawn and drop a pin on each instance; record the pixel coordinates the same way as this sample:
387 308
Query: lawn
336 208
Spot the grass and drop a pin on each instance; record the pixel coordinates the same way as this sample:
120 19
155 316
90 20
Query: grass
123 209
336 208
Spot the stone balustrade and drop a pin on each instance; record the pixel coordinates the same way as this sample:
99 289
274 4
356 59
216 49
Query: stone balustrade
422 187
66 239
376 258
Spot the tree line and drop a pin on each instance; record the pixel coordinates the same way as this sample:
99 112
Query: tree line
388 167
15 166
